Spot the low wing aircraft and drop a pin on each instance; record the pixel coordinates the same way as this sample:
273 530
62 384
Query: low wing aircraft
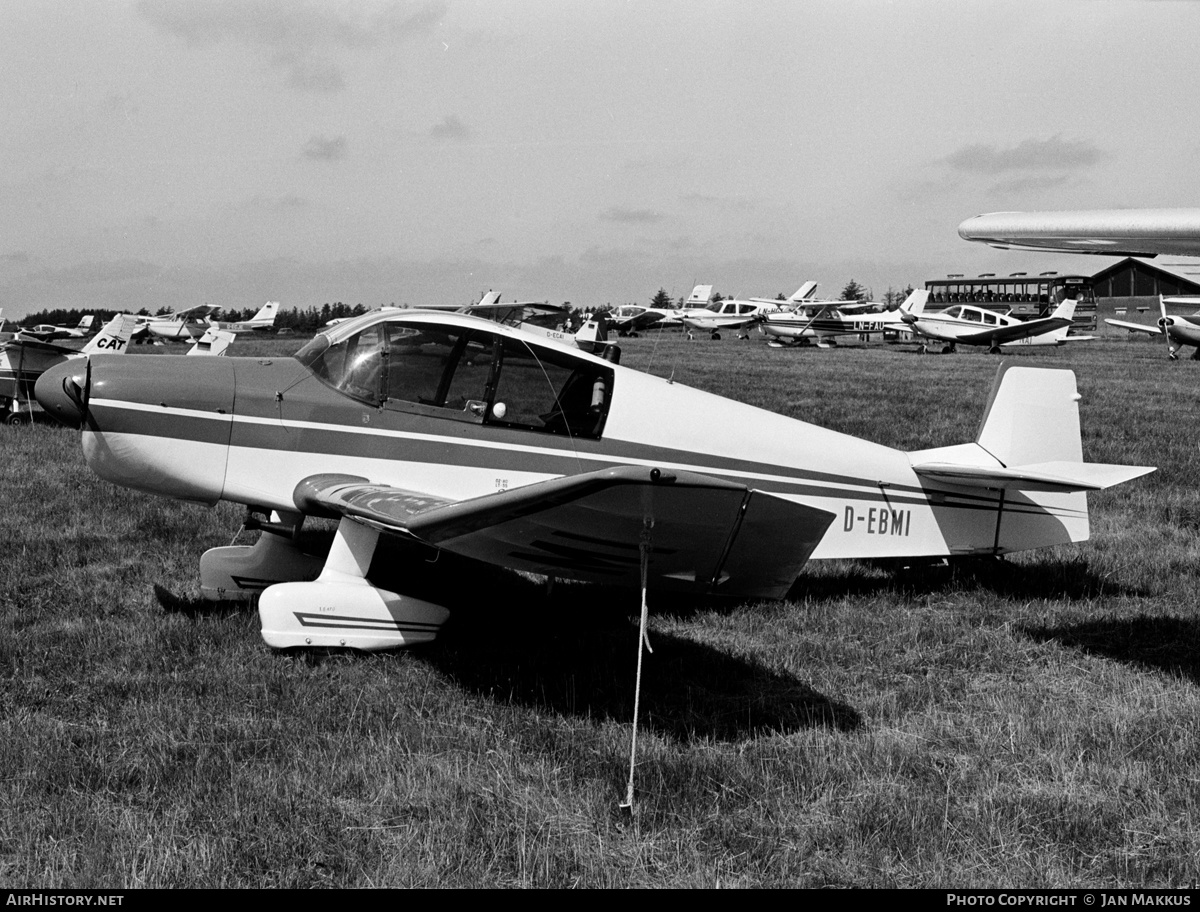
823 321
972 325
733 313
22 361
467 435
45 332
1177 330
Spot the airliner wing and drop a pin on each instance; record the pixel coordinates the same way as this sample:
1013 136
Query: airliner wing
700 530
1109 232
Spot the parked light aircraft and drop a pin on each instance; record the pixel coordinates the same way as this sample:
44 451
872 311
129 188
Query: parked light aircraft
739 314
470 436
180 326
823 321
970 325
261 322
46 332
22 361
1177 330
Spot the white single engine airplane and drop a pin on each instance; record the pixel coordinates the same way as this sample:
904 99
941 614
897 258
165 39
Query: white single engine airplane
739 314
262 321
1177 330
466 435
970 325
22 361
46 332
823 321
180 326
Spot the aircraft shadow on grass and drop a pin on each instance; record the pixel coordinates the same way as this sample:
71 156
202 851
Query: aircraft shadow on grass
1163 644
573 650
1067 580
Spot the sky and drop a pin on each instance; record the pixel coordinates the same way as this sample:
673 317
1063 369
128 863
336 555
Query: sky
166 153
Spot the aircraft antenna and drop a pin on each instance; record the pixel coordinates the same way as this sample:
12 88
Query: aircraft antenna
645 543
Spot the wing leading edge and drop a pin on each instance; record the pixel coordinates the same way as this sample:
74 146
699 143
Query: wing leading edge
702 531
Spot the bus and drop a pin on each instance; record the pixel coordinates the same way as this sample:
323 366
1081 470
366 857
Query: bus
1025 296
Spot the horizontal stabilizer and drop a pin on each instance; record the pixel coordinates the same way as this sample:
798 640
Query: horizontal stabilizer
1043 476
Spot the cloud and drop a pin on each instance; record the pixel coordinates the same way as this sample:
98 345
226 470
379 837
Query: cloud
451 127
1051 154
298 35
631 216
322 148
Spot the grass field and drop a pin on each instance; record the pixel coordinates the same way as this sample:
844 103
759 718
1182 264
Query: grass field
1029 723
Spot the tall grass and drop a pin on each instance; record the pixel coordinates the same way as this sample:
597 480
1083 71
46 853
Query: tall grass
1027 722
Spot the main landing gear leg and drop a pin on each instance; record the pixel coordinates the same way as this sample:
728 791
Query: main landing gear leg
341 608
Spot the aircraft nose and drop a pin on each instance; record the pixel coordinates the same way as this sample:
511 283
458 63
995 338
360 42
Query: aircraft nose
63 390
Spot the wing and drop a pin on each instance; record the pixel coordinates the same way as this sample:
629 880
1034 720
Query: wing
1002 334
1136 327
703 532
1109 232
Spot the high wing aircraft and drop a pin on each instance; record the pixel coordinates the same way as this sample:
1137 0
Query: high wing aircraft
180 326
22 361
632 319
970 325
461 434
823 321
45 332
260 322
1177 330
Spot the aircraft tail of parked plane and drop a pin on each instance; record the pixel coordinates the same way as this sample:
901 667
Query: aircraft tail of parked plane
699 296
213 343
114 337
1029 447
264 319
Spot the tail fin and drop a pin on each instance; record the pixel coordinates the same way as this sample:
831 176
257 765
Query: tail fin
213 343
804 292
1066 310
114 337
1029 449
86 323
593 335
266 315
914 304
699 296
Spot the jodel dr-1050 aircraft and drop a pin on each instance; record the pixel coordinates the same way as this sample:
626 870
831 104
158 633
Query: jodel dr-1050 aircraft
465 435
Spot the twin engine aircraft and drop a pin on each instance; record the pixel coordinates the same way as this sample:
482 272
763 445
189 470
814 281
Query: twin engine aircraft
457 433
970 325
